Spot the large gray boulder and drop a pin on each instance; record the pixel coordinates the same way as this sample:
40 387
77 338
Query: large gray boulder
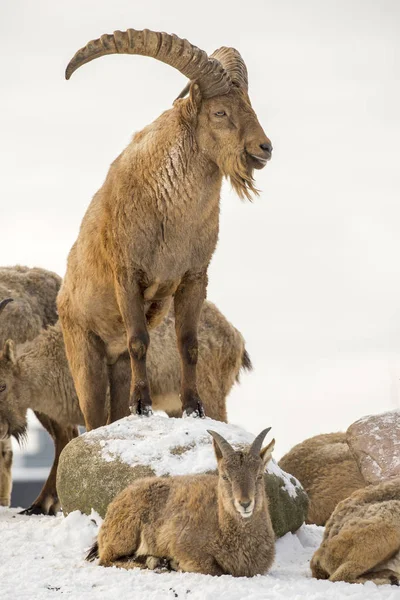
97 465
375 444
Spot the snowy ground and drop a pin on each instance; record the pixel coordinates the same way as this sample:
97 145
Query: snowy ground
42 557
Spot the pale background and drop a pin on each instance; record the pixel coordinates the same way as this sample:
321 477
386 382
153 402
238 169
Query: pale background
309 273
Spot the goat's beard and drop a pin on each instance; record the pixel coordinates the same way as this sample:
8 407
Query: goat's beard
236 168
20 434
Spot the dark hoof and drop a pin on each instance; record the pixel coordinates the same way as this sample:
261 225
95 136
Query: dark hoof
144 410
35 509
196 412
393 580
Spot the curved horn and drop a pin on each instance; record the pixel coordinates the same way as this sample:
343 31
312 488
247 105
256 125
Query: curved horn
234 65
4 303
255 448
170 49
223 445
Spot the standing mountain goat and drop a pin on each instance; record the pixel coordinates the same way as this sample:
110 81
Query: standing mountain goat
151 230
362 538
211 524
28 304
38 377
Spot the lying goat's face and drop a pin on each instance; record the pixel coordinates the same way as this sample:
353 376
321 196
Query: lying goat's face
241 477
12 419
229 133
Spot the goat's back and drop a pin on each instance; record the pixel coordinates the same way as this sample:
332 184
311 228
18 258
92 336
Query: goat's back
327 470
34 292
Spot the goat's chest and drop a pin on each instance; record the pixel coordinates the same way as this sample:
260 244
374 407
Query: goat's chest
175 240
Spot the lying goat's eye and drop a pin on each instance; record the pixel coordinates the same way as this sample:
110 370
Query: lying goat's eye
260 477
3 387
220 113
225 477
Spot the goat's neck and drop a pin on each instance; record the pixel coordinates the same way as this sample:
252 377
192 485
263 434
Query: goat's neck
173 164
229 522
31 379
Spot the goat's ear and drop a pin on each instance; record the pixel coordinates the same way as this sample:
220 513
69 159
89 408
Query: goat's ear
195 97
217 450
9 351
266 453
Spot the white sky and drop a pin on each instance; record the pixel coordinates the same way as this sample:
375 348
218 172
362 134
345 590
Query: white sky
310 272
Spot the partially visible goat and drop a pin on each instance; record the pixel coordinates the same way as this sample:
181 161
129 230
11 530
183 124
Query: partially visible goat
28 303
38 377
34 292
362 538
6 456
211 524
327 470
150 231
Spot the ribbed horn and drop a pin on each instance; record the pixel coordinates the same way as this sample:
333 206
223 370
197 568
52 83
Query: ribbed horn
4 303
233 64
223 445
255 448
170 49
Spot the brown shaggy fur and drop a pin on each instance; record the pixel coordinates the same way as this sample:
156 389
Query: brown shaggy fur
34 293
211 524
327 470
38 377
362 538
148 236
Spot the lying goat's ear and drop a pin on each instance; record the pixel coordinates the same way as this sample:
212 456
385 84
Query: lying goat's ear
9 351
266 453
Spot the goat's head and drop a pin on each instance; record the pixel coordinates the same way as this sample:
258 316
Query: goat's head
12 416
241 481
227 130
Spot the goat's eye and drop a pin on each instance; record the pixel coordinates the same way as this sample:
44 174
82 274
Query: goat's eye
3 387
261 476
225 477
220 113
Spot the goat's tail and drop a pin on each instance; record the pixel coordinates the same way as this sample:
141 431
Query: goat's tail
93 552
246 364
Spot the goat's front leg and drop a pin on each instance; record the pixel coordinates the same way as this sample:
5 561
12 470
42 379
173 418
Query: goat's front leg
131 304
47 502
189 298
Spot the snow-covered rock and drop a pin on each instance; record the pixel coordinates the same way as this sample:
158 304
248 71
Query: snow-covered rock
96 466
375 444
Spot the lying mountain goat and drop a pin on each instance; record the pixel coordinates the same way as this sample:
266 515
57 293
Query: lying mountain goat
28 303
39 378
362 538
327 470
151 230
211 524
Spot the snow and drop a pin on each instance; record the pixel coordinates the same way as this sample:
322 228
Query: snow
142 441
43 558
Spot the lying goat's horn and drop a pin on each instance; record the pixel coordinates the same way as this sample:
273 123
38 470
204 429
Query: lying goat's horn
223 445
255 448
192 62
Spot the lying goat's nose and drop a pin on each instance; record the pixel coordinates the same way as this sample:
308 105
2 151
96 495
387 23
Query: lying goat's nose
267 147
245 504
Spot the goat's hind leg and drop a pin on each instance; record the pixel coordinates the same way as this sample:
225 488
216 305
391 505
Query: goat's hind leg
87 361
